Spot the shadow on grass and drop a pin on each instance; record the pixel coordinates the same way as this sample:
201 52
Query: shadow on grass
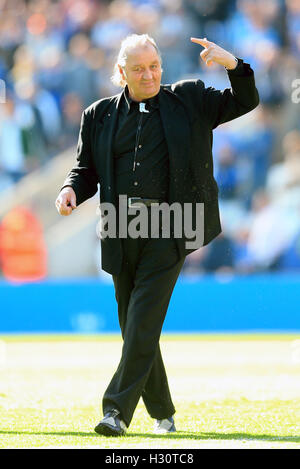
172 436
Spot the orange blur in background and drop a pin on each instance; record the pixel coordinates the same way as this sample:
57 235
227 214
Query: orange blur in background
23 254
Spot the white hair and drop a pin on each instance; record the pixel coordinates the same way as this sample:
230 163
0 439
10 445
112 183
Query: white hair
130 42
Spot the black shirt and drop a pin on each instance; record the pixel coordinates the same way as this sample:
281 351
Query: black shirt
140 138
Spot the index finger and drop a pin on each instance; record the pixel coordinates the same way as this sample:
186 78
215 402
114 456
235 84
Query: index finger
203 42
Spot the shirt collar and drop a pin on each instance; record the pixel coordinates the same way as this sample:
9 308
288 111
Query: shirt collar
130 104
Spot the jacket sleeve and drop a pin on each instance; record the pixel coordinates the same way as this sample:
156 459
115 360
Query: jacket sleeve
82 177
222 106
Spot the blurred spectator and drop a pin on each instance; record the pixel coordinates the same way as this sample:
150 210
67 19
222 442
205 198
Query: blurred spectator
286 174
293 26
226 174
173 37
244 262
273 228
72 107
289 260
78 73
216 257
253 140
193 264
109 30
253 23
219 257
12 154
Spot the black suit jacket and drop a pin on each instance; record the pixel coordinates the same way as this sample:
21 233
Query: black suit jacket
189 113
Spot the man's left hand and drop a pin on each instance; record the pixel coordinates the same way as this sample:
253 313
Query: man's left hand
214 53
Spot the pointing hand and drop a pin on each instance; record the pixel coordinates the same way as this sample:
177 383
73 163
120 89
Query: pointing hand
214 53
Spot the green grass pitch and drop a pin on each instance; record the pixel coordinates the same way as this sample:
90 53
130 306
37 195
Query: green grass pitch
230 391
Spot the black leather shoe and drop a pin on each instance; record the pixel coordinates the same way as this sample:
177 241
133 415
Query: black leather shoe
111 424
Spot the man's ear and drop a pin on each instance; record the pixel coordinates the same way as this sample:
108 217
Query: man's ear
122 73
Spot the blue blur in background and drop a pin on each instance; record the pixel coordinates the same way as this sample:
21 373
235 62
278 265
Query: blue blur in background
210 303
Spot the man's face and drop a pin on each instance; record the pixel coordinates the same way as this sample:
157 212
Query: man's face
142 72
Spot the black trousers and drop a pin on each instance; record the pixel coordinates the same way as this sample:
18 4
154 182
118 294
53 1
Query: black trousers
143 291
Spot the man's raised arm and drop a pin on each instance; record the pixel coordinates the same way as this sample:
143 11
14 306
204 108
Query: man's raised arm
223 106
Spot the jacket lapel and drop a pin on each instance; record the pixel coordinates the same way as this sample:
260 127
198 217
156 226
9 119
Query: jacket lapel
177 129
105 131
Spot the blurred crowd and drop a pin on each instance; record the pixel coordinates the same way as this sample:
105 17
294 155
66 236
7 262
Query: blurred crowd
56 57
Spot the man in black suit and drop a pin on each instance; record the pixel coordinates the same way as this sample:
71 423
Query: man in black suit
152 143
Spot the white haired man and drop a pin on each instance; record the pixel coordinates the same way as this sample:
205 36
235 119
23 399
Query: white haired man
152 143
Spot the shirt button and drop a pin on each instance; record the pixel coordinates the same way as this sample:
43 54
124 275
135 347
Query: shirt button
140 146
135 183
138 164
